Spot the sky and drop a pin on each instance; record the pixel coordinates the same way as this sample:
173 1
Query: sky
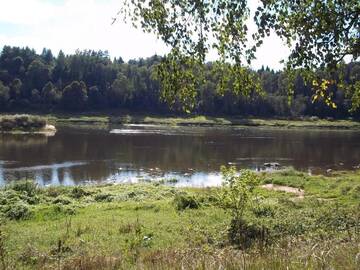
69 25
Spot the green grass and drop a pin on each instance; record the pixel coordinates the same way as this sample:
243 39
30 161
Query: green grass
140 226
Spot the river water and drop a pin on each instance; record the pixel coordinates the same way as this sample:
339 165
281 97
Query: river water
190 155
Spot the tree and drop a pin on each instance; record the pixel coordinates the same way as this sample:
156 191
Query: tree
96 98
37 74
321 32
50 95
121 91
16 89
4 95
75 96
35 97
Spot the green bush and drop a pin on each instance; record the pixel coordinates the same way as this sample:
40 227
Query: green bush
62 200
103 197
243 234
78 192
184 201
18 211
27 186
264 210
355 193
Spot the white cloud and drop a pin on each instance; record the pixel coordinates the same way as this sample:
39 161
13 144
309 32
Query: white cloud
86 24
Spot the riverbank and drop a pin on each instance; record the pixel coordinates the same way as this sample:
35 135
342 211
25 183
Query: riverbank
203 121
154 226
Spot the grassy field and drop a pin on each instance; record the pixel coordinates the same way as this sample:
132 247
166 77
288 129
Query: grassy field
153 226
202 121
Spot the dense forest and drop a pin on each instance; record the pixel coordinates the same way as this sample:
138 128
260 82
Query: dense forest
92 81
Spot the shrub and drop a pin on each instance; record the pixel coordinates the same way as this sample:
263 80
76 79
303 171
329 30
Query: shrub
78 192
237 190
62 200
356 192
264 210
184 201
18 211
235 196
103 197
244 234
27 186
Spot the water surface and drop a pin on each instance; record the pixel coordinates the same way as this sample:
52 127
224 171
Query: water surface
192 155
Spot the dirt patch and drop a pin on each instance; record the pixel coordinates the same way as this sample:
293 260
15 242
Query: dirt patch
297 191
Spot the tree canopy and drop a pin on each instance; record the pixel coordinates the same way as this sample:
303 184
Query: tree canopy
320 33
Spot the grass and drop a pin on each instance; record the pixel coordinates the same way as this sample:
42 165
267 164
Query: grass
21 122
153 226
200 120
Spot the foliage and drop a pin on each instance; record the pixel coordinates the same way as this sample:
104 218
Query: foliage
26 186
183 201
237 191
135 86
75 96
320 34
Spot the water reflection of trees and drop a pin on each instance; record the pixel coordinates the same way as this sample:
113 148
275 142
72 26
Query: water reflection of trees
21 140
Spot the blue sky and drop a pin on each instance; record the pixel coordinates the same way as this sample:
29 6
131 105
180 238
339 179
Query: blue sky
86 24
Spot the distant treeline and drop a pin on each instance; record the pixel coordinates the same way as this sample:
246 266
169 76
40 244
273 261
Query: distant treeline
92 81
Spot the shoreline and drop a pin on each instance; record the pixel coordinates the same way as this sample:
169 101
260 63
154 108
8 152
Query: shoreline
196 120
202 121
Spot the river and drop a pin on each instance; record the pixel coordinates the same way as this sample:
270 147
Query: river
181 156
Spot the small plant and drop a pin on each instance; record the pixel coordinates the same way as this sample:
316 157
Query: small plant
237 190
235 196
137 240
184 201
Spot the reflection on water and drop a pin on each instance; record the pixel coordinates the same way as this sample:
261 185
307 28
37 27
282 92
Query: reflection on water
191 155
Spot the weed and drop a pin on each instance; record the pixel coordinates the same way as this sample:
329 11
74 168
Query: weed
183 201
103 197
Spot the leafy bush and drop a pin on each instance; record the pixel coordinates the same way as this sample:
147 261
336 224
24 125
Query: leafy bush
356 192
184 201
244 234
237 190
62 200
78 192
235 196
27 186
18 211
103 197
264 210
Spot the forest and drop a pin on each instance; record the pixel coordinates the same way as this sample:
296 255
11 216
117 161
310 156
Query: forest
93 81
